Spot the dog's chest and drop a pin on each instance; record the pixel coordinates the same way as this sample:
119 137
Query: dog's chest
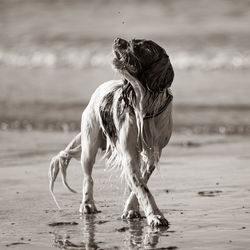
158 130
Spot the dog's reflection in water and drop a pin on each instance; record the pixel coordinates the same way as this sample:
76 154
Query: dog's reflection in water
65 238
136 235
140 235
89 230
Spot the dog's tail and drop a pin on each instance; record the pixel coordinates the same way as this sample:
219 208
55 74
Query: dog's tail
61 161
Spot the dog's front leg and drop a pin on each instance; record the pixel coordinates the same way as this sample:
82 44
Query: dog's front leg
132 208
131 165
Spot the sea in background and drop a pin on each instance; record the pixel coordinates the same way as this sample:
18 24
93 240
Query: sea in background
54 53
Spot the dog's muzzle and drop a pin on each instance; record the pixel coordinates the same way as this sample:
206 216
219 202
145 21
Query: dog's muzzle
120 43
119 48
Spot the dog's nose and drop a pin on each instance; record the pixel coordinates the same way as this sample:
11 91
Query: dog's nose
117 40
120 42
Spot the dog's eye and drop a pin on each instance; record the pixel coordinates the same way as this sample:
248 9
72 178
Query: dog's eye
136 46
147 50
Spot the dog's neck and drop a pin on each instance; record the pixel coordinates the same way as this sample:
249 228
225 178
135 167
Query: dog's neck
152 103
147 102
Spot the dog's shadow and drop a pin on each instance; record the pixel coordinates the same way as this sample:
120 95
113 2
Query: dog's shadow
135 235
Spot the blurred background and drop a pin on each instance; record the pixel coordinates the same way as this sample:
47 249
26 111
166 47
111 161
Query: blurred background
54 53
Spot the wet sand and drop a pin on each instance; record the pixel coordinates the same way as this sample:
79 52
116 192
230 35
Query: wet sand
202 186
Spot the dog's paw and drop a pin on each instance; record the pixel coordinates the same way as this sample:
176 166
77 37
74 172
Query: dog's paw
87 208
130 215
156 220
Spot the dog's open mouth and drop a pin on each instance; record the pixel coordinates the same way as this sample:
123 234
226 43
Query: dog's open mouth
119 58
118 55
119 48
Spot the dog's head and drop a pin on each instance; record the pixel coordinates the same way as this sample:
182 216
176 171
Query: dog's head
146 61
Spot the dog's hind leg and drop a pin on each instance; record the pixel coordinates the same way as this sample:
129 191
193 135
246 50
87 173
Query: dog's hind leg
91 139
131 165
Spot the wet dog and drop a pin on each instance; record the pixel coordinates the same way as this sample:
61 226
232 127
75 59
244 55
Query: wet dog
131 119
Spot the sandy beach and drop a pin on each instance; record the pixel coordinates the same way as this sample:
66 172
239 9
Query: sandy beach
201 185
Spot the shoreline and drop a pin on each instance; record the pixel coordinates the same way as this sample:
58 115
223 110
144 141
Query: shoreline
199 120
192 129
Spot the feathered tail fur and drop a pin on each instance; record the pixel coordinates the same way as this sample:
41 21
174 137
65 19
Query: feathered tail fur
60 162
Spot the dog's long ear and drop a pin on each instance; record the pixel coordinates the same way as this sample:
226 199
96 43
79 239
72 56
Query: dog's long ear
160 75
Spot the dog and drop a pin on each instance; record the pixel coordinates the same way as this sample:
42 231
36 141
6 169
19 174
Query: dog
131 120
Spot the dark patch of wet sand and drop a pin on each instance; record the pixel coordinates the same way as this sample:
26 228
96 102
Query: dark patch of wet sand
210 193
62 223
216 218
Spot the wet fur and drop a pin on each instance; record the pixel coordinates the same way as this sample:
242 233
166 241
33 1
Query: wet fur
114 121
